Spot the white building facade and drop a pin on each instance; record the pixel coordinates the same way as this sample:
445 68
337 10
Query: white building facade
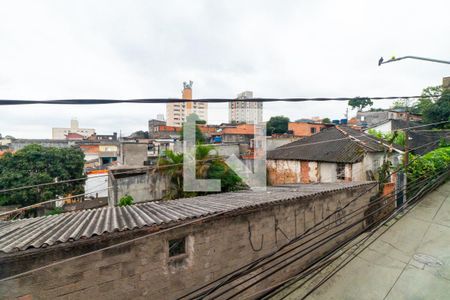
247 112
61 133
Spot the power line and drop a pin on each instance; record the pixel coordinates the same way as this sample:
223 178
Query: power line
206 100
334 250
344 263
163 166
254 263
200 220
285 261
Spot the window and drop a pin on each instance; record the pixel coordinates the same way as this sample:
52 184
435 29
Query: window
340 171
177 247
313 130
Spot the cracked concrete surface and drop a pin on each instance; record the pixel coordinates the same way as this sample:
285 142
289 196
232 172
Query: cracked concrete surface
410 260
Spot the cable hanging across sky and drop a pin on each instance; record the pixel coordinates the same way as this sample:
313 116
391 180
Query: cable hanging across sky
4 102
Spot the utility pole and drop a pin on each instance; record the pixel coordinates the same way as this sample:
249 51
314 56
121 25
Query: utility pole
406 154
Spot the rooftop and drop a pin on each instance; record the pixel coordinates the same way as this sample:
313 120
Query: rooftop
410 259
335 144
397 124
47 231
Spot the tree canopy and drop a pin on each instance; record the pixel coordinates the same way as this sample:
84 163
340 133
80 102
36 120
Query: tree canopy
278 124
439 110
360 103
434 105
326 120
36 164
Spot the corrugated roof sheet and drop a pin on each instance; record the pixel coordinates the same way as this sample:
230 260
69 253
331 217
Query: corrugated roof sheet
340 144
51 230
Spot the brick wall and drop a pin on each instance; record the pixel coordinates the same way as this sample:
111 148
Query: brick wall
304 129
142 269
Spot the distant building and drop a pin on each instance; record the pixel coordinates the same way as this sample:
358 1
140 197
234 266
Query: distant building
391 125
177 112
61 133
18 144
244 111
160 130
103 137
242 134
371 118
446 82
302 129
160 117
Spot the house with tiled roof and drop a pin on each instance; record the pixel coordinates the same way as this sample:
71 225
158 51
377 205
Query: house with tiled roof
241 133
335 154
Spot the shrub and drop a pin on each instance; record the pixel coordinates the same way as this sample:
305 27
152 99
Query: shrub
429 164
126 200
55 211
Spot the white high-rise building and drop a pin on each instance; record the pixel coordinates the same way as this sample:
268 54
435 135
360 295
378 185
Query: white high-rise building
245 111
177 112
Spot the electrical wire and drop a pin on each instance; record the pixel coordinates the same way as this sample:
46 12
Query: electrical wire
285 262
170 165
248 266
301 276
352 256
205 100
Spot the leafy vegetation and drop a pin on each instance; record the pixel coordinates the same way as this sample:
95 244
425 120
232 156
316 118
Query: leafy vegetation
209 166
55 211
396 137
360 103
34 165
278 124
126 200
326 120
429 164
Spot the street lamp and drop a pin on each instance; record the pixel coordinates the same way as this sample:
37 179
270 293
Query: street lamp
393 58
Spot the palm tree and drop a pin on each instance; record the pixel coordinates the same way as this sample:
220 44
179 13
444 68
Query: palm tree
208 165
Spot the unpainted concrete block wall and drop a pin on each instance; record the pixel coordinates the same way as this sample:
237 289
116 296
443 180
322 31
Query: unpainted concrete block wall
142 269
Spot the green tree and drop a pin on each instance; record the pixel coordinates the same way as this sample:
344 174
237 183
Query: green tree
278 124
399 103
34 165
439 110
360 103
429 96
326 120
208 166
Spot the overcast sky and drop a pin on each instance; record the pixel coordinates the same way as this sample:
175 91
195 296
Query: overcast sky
146 49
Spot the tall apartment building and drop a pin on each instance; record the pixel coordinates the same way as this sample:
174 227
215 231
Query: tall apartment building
243 111
177 112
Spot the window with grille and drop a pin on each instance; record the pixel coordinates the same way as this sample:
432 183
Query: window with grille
340 171
177 247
